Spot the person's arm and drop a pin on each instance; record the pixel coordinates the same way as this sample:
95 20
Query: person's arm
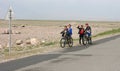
84 30
90 30
62 31
78 27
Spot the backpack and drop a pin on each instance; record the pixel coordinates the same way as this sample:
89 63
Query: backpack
82 31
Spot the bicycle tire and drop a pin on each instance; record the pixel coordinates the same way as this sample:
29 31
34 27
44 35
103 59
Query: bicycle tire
62 42
70 42
90 40
85 40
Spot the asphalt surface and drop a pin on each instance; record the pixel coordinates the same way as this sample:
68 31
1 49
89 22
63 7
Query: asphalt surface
103 55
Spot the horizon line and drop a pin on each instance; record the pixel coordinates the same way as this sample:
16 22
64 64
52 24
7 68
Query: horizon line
64 20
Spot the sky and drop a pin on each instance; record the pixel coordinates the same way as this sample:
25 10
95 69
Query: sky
103 10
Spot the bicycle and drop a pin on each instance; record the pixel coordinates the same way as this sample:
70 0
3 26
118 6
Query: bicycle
66 40
87 39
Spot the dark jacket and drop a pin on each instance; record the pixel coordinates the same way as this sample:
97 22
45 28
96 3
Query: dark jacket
88 29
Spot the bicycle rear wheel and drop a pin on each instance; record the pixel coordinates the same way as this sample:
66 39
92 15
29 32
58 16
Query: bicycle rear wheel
70 42
62 42
90 40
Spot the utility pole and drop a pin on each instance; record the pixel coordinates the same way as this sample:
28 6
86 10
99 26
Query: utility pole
10 30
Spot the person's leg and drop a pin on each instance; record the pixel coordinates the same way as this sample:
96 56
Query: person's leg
80 39
90 39
70 36
67 38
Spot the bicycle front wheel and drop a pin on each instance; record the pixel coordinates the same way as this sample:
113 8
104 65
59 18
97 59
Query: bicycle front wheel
62 42
85 40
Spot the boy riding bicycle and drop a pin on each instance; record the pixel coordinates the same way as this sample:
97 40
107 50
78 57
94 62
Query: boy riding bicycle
67 31
88 31
66 37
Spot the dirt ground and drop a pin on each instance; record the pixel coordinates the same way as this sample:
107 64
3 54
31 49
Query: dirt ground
48 30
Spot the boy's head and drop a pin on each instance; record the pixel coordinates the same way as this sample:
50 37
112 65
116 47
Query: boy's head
81 26
69 25
87 24
65 27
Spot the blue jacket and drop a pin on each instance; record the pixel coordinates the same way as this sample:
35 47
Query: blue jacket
70 31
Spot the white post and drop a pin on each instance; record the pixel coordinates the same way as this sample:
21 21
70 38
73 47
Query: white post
10 31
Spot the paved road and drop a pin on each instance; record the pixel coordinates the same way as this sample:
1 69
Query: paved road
103 55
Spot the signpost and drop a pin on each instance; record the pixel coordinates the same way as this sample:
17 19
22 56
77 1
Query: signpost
9 17
10 29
